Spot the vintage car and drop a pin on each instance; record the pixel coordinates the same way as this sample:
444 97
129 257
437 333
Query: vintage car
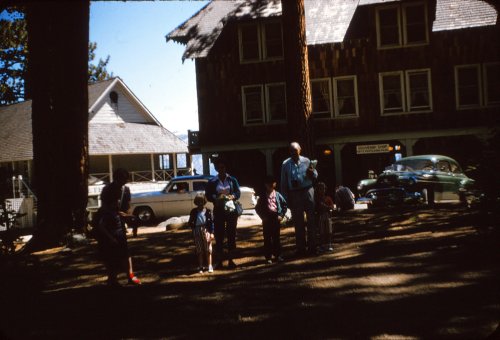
427 178
176 199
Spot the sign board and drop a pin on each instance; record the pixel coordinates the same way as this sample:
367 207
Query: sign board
372 148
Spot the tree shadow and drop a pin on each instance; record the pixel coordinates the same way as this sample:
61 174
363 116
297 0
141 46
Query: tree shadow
419 273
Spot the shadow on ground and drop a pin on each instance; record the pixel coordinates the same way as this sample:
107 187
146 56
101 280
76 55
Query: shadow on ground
416 273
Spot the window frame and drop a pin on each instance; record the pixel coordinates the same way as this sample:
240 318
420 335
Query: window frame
244 102
240 43
263 29
336 110
267 113
330 111
377 23
261 42
408 108
381 92
402 23
479 87
404 27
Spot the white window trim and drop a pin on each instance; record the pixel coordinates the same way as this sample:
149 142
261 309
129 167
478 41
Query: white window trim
261 37
268 109
243 101
240 43
381 93
405 6
377 20
335 97
408 92
485 85
480 87
263 41
330 99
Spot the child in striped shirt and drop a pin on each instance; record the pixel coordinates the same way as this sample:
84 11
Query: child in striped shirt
202 225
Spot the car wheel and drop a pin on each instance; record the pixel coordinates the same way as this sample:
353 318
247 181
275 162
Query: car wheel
144 214
428 195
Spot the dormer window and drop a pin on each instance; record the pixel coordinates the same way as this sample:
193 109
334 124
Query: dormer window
260 41
402 25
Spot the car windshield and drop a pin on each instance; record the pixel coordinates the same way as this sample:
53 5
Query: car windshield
411 165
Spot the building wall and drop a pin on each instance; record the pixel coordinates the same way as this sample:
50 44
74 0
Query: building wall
220 77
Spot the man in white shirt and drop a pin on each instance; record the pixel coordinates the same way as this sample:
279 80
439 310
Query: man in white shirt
297 176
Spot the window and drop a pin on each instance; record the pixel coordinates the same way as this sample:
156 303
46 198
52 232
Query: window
258 109
199 185
419 93
321 98
345 101
413 95
253 104
273 41
468 89
402 25
276 102
492 83
345 93
179 187
260 41
249 43
391 88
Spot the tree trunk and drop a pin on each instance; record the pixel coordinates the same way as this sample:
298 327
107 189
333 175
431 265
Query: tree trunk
298 90
58 61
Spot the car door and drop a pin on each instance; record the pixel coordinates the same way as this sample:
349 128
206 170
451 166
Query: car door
178 199
447 187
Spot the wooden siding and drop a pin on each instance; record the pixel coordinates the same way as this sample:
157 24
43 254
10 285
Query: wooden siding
106 112
220 77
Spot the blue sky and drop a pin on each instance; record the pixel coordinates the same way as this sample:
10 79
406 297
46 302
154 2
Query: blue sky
133 34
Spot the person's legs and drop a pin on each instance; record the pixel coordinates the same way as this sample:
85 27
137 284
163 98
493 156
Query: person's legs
231 221
219 233
308 200
297 211
275 238
266 231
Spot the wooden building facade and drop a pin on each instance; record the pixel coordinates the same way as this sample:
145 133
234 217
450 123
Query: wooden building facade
406 77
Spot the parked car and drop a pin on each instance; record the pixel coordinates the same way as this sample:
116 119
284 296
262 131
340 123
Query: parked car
176 199
427 178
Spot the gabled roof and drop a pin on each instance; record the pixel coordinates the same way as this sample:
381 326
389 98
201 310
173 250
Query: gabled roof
327 21
452 14
133 138
16 139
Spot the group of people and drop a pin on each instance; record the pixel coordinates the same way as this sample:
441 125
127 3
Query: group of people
311 212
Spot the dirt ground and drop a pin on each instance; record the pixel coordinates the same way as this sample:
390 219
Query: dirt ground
412 274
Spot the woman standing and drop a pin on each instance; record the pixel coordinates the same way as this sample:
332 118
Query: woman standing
222 191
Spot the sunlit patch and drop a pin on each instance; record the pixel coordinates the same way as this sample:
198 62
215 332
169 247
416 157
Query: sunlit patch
253 318
348 253
393 336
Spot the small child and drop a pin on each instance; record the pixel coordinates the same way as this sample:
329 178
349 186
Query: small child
324 209
271 208
202 225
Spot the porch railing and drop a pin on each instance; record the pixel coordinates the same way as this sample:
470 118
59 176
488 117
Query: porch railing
147 176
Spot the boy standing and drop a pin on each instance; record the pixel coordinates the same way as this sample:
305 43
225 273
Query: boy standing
271 208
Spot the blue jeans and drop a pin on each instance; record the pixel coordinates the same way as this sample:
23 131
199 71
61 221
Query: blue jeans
301 202
224 226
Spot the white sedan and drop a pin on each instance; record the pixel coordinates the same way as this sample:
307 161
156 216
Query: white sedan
176 199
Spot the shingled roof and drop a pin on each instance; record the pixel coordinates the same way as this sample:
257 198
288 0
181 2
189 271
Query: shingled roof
326 21
16 139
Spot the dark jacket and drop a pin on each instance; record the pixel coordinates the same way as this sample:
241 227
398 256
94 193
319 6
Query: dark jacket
209 223
211 193
262 208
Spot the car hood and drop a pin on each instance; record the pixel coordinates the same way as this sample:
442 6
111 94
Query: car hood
147 194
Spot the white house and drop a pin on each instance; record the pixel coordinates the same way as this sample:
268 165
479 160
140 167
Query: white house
122 133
